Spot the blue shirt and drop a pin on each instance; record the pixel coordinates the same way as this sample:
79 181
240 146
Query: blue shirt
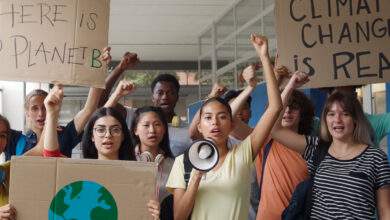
10 149
67 139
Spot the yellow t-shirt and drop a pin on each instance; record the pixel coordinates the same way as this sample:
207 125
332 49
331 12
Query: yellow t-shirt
222 193
4 186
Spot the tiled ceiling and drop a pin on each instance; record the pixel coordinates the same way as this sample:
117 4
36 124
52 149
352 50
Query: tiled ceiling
160 29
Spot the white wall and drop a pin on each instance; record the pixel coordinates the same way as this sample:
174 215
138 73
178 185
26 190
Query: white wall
12 103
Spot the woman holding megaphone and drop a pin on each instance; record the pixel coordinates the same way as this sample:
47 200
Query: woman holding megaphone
223 192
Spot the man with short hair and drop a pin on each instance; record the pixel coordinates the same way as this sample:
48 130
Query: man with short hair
165 94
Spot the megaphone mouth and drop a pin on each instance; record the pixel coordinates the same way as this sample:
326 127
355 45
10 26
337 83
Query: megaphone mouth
205 151
203 155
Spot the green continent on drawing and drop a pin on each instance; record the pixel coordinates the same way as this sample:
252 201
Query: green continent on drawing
83 200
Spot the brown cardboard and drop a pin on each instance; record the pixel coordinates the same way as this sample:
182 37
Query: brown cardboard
35 181
32 43
298 22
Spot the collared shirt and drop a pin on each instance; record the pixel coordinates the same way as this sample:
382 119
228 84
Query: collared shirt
67 139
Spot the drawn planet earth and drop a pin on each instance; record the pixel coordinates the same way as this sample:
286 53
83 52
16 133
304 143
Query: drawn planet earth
83 200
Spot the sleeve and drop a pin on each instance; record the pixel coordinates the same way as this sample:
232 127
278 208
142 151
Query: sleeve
243 151
55 153
382 171
176 177
68 138
381 125
311 146
316 124
259 164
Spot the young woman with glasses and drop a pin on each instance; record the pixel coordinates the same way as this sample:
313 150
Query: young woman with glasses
106 136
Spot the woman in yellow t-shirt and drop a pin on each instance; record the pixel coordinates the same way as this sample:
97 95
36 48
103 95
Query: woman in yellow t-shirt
223 193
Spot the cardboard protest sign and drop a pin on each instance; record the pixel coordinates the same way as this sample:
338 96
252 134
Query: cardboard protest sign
54 41
53 189
337 42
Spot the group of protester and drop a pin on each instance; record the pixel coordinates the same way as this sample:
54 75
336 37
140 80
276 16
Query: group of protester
351 180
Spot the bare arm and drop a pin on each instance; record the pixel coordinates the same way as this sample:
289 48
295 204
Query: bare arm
90 106
53 106
250 78
283 135
92 102
124 88
383 201
184 200
242 130
262 129
193 129
128 61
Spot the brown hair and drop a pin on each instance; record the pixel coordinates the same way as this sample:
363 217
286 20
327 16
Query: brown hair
363 132
299 100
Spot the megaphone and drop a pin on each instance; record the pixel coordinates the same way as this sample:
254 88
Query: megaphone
203 155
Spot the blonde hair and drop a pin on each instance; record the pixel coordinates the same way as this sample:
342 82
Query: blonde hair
363 132
35 92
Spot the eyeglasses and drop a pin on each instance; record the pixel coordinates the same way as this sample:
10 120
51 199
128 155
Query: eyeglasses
294 106
102 131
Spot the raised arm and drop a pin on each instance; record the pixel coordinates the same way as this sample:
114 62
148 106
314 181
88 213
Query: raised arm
217 90
129 60
82 117
283 135
242 130
250 78
52 103
124 88
264 125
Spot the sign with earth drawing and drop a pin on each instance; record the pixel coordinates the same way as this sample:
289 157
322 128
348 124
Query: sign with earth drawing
81 189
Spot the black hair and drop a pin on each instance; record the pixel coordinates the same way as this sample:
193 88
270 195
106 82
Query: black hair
126 150
164 144
299 100
231 94
166 78
221 101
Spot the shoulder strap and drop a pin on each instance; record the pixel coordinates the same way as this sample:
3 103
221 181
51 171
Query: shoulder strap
187 168
267 148
320 153
20 145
